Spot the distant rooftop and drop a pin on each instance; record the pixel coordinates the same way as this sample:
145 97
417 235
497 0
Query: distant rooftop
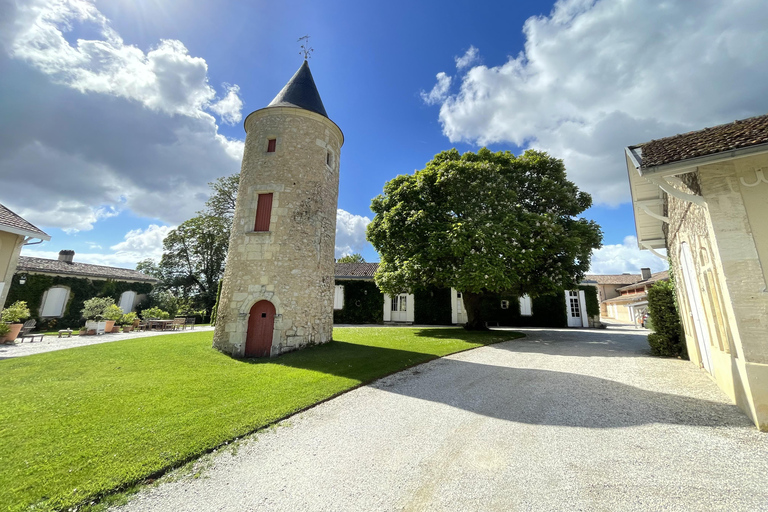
48 266
725 137
612 278
356 270
658 276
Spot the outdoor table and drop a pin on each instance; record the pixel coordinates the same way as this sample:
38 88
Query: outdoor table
159 324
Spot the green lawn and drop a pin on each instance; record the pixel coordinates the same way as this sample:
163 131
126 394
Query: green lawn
76 424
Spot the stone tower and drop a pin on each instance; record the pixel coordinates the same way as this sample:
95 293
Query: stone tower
277 293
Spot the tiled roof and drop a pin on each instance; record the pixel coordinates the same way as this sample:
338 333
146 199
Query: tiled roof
738 134
11 220
627 299
356 270
658 276
612 278
46 266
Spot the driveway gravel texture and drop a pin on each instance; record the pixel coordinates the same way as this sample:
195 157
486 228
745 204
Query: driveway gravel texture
560 420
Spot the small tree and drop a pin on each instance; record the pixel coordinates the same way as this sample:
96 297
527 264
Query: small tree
668 339
96 307
15 313
351 258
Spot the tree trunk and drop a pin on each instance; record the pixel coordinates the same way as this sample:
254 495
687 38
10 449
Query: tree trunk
475 320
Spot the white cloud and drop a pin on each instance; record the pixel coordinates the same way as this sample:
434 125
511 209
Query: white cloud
138 244
470 57
99 126
625 258
230 107
596 76
439 92
350 233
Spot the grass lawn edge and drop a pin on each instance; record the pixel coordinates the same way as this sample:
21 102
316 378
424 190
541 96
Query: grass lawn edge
120 495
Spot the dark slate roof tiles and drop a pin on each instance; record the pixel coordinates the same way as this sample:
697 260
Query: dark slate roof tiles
356 270
300 92
612 278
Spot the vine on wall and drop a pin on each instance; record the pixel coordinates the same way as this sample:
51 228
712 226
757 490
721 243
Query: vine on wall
363 303
80 290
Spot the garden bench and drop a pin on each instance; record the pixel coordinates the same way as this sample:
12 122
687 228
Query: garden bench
25 331
68 332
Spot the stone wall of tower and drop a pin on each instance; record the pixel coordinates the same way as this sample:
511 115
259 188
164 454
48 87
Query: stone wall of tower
291 265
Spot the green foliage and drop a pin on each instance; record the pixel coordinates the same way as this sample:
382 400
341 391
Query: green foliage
4 329
96 307
193 258
351 258
15 313
215 309
432 306
363 303
111 415
128 318
483 223
224 198
113 312
547 310
668 338
154 313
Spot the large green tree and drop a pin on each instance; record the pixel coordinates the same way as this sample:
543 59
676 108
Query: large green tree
194 255
351 258
483 223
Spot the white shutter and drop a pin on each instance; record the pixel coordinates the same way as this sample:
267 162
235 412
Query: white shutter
127 300
525 306
338 297
55 299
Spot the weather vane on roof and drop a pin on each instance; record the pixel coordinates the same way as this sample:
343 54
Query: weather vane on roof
305 49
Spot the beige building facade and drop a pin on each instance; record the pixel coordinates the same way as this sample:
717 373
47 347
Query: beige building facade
704 197
278 288
15 232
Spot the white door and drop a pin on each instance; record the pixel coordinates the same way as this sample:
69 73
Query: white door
461 313
696 306
574 308
400 308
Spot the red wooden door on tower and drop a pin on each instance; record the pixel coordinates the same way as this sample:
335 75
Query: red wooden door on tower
258 341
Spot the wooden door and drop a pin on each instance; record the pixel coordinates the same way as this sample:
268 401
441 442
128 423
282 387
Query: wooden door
258 341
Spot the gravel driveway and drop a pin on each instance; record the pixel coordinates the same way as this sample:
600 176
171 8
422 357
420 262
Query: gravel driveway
560 420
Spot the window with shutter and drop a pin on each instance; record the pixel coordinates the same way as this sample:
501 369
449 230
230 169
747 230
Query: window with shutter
271 145
263 212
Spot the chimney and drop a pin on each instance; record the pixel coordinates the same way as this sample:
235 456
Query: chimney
66 256
646 272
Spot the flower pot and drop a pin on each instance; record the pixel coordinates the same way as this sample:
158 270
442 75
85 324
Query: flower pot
15 330
109 326
83 332
116 329
127 328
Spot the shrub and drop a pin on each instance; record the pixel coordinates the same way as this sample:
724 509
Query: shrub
668 339
128 318
4 329
113 312
154 313
96 307
15 313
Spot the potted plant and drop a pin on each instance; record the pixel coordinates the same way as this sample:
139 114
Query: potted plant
112 315
83 331
4 330
93 310
127 320
13 315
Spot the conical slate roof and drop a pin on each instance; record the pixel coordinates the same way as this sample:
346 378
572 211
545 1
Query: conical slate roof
300 91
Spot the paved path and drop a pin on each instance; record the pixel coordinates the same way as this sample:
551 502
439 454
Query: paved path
51 343
561 420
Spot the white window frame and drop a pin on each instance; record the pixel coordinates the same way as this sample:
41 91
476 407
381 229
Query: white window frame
133 302
526 305
338 297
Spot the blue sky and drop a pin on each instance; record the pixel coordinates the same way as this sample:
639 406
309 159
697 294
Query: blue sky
115 115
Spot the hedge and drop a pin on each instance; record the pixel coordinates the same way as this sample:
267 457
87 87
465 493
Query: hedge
363 303
668 338
432 306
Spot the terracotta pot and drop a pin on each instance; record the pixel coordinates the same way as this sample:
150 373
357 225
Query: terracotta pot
110 325
127 328
116 329
15 330
83 332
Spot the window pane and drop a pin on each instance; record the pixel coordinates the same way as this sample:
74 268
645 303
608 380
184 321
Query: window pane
54 303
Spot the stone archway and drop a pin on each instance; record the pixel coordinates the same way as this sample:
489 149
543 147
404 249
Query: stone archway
261 323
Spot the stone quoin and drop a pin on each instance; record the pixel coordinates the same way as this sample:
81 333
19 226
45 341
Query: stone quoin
277 292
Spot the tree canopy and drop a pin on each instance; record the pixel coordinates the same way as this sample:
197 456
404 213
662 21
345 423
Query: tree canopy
351 258
483 222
